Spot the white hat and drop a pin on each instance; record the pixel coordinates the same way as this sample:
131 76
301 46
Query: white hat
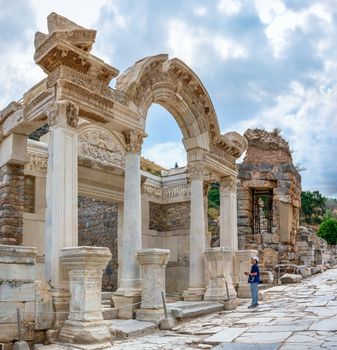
256 258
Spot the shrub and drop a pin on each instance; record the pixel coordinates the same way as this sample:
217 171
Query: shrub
328 231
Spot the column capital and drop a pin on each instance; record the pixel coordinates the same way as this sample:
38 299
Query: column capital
62 113
134 140
228 184
196 170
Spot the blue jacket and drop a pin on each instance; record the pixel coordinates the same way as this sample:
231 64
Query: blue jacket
254 279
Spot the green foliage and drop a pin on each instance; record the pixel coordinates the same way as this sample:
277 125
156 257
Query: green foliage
213 213
214 196
313 206
328 231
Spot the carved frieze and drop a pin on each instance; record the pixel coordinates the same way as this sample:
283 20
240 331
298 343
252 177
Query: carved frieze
179 191
99 145
37 162
152 190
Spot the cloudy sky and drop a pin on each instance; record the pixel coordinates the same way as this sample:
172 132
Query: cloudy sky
265 63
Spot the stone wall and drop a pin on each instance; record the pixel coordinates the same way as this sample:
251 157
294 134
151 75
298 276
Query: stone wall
11 204
29 194
172 223
169 217
97 226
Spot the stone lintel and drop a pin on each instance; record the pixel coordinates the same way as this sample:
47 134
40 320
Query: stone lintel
13 150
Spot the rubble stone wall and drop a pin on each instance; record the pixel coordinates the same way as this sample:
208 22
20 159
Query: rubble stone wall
11 204
97 226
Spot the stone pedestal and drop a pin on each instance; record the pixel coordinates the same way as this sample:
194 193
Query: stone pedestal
129 288
196 287
153 263
243 264
219 266
85 327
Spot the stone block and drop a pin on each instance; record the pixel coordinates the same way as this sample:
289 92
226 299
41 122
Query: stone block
244 204
9 309
315 269
44 316
126 305
244 194
11 330
17 272
305 272
11 254
289 278
16 291
244 221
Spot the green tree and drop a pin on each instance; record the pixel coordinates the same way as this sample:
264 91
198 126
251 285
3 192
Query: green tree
328 231
214 196
313 206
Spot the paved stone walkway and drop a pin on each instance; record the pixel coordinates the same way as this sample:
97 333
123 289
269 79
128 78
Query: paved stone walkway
291 317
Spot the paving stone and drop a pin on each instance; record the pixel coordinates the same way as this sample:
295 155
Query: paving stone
325 325
237 346
263 337
227 335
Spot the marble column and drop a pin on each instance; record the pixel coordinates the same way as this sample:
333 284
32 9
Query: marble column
243 264
153 263
61 199
228 218
129 290
219 267
85 325
196 287
228 213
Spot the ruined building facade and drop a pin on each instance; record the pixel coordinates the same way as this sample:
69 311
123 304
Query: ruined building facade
269 199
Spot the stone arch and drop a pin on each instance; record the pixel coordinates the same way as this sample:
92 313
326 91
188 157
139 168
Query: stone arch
173 85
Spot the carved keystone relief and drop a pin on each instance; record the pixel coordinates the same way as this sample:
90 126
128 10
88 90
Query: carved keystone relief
101 146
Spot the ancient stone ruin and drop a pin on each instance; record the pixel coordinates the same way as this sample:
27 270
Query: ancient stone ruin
75 199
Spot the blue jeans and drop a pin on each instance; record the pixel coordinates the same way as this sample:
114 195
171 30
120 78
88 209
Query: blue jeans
254 290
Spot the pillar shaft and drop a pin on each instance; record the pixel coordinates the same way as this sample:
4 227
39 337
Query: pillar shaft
62 189
228 213
197 234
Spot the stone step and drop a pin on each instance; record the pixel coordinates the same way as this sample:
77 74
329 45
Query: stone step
185 309
109 313
106 303
106 295
121 329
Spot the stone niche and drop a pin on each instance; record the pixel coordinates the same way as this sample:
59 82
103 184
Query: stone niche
269 198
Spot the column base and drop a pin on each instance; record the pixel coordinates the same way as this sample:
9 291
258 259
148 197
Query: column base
86 335
61 301
151 315
217 291
244 291
126 302
194 294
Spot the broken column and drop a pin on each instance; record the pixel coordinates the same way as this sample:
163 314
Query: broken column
219 266
153 264
85 325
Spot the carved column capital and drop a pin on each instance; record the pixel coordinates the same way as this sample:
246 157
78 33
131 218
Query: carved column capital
228 184
134 140
196 170
62 113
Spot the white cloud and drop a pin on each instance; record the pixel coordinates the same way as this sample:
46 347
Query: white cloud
82 12
200 11
166 154
281 23
308 118
191 43
18 73
230 7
